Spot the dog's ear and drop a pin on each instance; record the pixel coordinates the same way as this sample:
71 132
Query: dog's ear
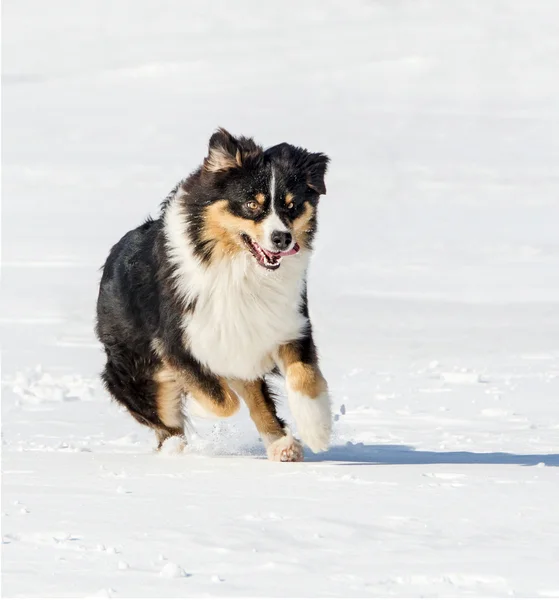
226 152
316 164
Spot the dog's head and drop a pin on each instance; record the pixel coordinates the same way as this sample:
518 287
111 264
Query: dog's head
256 201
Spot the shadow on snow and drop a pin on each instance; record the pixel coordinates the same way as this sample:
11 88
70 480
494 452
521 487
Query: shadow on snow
365 454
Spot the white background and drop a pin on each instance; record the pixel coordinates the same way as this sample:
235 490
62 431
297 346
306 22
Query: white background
434 293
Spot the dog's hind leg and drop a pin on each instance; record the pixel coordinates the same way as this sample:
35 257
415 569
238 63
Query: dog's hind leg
168 399
212 393
143 384
280 444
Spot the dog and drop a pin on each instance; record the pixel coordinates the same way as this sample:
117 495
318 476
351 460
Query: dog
210 299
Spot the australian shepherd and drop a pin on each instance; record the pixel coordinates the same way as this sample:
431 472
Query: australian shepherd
210 299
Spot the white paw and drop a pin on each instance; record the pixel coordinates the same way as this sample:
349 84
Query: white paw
173 446
286 449
313 417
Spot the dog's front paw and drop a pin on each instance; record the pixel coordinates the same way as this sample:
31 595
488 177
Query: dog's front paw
286 449
314 419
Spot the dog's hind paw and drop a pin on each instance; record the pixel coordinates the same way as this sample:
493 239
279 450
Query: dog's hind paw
172 446
286 449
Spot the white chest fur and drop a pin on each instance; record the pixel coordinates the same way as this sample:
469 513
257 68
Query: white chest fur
243 312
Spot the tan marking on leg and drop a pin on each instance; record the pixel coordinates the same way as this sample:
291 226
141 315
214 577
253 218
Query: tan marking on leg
303 377
262 415
281 446
306 379
226 408
308 397
169 398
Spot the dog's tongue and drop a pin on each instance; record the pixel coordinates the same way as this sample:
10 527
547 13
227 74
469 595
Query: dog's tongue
293 250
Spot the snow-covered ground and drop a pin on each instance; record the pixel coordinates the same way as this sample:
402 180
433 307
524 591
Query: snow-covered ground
434 292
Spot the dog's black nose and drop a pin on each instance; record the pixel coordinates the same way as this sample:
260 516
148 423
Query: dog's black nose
281 239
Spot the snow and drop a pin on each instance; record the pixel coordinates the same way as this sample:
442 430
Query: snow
434 296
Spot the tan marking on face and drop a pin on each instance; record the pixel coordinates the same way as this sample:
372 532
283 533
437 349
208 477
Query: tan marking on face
263 416
260 198
301 225
169 397
289 198
224 229
302 377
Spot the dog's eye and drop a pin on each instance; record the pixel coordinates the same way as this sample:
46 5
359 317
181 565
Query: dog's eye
252 205
291 206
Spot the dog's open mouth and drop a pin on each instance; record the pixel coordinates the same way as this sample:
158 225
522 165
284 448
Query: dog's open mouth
266 258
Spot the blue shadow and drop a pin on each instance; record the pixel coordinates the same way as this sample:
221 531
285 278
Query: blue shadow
364 454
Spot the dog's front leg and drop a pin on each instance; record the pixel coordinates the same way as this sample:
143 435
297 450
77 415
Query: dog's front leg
280 444
307 393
